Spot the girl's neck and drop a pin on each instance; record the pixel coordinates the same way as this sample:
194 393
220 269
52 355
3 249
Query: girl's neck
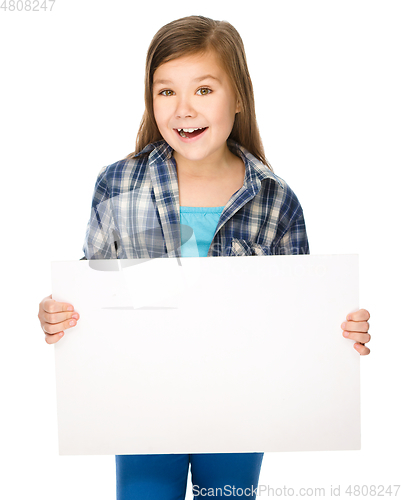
216 166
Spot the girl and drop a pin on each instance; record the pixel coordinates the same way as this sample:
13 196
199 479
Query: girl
199 162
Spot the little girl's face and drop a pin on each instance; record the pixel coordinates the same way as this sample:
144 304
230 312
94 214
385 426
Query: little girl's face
194 92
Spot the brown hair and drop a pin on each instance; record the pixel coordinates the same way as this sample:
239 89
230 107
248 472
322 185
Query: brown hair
197 35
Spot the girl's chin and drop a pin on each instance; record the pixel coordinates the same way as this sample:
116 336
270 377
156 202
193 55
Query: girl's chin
190 155
202 155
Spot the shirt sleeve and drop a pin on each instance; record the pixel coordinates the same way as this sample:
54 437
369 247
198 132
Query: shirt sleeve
101 238
294 241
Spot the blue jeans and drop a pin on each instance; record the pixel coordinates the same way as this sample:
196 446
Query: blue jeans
164 477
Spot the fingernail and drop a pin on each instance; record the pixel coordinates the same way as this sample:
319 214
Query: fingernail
61 334
72 323
346 334
70 308
343 325
75 316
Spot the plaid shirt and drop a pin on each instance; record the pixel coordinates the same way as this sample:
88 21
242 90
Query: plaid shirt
136 211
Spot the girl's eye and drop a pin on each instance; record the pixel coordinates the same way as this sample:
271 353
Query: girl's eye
201 91
204 91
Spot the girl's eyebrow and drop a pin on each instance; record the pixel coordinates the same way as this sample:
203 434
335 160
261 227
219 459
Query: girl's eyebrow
198 79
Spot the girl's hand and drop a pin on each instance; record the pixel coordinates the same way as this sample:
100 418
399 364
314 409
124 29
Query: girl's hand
356 328
55 317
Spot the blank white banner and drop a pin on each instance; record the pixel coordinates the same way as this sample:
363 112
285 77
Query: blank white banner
208 355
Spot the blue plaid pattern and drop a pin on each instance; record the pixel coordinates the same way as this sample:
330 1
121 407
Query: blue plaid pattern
136 213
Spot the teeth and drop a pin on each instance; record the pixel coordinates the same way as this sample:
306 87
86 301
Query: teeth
189 130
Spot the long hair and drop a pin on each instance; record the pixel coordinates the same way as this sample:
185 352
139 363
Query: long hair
197 35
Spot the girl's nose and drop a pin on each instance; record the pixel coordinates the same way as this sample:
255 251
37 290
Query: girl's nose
184 108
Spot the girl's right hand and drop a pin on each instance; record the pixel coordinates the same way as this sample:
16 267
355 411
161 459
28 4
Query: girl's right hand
55 317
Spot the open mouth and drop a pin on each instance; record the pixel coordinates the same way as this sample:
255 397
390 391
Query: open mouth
190 133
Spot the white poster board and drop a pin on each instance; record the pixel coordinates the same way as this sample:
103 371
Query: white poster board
208 355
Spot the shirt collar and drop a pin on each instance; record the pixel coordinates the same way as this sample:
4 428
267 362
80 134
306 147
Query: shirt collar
256 171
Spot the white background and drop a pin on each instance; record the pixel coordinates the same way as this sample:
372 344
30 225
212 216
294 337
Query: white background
327 80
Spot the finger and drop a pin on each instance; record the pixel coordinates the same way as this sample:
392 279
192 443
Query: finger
55 318
52 339
355 326
362 349
52 306
359 337
360 315
59 327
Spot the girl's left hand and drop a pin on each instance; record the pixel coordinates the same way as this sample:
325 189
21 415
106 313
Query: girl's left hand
356 328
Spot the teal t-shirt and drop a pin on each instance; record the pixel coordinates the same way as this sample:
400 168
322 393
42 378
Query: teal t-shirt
203 222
